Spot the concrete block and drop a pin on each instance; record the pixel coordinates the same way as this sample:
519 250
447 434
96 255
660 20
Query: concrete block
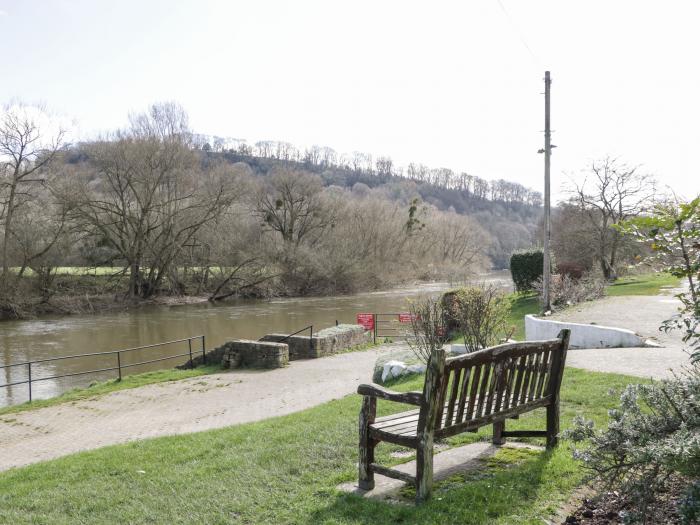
582 335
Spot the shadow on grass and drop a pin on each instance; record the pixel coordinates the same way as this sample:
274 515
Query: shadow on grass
503 491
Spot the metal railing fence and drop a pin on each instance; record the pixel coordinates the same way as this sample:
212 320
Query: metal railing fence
118 356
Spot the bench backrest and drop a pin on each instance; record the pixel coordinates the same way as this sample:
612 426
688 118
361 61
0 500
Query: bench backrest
508 379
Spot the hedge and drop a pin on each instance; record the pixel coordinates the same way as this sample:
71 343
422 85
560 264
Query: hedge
526 268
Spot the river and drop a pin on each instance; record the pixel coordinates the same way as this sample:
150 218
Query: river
49 337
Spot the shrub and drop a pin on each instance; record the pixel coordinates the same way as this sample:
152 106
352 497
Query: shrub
565 291
573 270
427 327
653 436
526 268
481 313
448 303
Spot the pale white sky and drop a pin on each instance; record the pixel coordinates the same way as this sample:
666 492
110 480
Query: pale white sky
444 83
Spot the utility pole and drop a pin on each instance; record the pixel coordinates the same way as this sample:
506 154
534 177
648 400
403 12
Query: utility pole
546 269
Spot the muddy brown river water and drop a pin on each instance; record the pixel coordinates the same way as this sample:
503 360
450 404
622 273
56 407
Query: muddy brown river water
48 337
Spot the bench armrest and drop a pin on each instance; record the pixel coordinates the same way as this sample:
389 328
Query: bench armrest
411 398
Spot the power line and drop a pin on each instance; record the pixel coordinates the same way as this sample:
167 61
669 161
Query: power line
520 35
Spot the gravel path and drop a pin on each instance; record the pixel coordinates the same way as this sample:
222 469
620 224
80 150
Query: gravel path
178 407
641 314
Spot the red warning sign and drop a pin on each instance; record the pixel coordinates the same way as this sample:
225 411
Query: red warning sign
366 321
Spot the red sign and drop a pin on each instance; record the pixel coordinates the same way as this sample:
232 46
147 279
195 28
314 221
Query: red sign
406 318
366 320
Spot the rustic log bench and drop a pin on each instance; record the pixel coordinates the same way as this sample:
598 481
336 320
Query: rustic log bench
462 394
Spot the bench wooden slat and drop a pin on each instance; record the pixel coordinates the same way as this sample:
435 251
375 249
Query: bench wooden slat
544 375
508 372
494 387
483 390
519 373
473 391
456 379
441 396
502 377
535 375
526 379
463 394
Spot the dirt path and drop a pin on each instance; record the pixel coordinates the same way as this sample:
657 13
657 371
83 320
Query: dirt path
178 407
641 314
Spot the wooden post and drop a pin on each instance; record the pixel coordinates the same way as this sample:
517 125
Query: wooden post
498 428
558 363
426 425
367 415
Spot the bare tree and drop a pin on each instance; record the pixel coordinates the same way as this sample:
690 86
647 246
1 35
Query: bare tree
149 196
25 150
610 193
293 205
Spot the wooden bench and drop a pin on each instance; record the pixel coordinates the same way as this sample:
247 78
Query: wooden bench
462 394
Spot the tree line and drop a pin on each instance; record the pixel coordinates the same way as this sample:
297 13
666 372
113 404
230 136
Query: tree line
381 167
157 215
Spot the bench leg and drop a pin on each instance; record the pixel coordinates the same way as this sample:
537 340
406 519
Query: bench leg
498 428
552 425
367 415
424 471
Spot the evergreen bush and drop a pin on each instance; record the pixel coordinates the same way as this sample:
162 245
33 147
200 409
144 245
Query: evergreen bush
526 268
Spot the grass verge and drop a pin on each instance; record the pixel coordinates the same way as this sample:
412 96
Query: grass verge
105 387
285 470
646 284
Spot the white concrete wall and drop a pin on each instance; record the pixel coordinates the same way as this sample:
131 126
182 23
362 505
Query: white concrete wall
582 335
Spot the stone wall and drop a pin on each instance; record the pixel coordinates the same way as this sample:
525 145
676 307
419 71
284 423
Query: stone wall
245 353
328 341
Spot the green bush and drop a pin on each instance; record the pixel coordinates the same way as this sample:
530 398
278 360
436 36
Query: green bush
652 437
526 268
480 313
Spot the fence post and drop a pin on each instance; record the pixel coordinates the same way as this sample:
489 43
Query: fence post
204 352
29 375
119 365
311 335
189 343
374 323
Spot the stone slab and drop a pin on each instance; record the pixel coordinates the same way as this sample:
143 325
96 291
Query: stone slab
453 461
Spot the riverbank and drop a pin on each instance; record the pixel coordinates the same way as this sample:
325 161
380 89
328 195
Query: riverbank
73 293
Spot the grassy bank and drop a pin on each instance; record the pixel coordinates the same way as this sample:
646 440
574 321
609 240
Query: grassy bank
285 470
106 387
645 284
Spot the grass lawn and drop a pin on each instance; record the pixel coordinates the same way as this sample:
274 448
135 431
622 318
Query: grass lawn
646 284
285 470
522 305
97 389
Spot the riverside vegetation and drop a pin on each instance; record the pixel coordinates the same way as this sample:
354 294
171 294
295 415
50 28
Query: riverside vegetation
156 210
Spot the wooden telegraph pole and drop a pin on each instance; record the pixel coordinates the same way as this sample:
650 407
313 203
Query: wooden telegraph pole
546 269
